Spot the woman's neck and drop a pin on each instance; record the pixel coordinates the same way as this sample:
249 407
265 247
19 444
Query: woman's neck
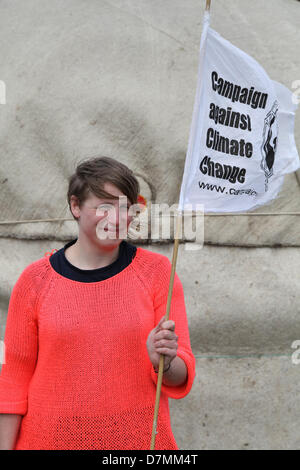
85 255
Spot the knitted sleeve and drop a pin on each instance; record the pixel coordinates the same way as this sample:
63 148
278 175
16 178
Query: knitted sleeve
179 316
20 346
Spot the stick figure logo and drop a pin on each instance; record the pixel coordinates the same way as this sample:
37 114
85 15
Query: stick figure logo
269 143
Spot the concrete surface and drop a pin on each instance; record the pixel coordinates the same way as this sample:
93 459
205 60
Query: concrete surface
246 403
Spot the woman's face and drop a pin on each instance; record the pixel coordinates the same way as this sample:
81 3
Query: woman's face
104 220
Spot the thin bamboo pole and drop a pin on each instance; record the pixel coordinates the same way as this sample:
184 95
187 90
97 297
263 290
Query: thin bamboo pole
161 359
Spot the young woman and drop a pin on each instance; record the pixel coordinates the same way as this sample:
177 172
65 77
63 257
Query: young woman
85 329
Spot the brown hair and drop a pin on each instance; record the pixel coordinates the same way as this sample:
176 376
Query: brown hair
91 174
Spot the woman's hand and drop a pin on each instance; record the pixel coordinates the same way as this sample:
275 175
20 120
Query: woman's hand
162 340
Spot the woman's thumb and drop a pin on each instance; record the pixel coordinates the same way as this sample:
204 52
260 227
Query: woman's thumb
160 322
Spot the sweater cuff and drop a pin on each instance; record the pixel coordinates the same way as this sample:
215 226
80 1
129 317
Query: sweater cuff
17 407
179 391
13 398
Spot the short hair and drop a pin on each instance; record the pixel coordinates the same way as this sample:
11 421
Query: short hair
91 174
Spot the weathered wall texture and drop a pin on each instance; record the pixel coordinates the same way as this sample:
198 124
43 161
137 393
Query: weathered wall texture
118 78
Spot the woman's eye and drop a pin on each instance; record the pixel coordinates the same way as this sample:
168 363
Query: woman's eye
107 207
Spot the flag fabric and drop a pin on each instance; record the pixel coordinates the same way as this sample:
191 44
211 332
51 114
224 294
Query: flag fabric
241 141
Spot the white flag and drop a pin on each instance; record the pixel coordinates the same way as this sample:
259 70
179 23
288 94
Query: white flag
241 141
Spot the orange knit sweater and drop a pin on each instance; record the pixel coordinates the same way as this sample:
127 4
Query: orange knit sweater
76 363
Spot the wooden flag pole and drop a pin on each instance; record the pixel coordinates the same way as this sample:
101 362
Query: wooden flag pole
161 359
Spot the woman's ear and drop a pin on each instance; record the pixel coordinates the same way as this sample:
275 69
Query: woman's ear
74 202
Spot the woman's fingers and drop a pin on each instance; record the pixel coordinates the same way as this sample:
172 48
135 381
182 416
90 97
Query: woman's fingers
168 352
166 344
159 325
165 338
165 334
165 324
168 325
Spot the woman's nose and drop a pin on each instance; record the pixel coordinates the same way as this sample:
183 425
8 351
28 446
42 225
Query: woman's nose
116 216
113 217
